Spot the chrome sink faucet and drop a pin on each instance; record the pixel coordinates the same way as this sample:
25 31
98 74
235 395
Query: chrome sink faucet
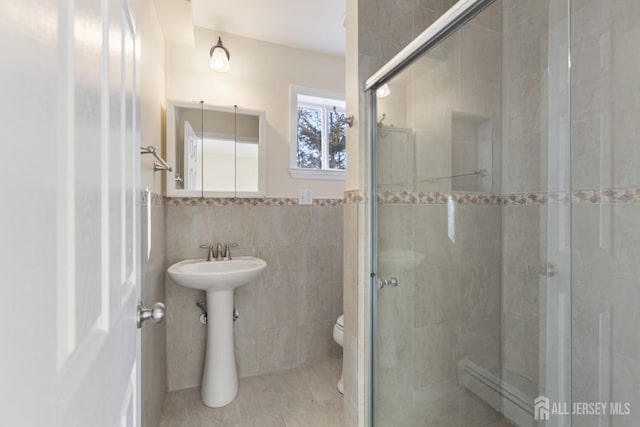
220 252
227 250
212 254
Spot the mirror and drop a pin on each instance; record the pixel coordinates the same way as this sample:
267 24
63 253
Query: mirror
217 151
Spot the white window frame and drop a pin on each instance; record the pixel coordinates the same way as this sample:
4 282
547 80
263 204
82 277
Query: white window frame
327 99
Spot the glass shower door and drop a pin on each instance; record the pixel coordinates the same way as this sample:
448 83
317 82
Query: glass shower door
471 225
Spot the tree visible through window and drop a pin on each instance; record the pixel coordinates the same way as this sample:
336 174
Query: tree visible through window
321 131
309 138
337 140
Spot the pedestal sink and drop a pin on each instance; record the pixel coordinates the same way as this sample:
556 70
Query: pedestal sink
218 279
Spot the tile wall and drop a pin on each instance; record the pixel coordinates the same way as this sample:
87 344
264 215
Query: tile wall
444 248
445 309
604 103
526 36
384 28
606 154
286 316
154 336
353 207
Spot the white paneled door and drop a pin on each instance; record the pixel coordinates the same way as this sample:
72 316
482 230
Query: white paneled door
69 225
192 149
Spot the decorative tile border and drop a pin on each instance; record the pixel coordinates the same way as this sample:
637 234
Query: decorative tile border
438 198
328 202
268 201
536 198
155 199
354 197
612 195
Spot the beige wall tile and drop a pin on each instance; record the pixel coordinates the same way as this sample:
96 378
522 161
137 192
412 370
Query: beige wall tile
236 224
188 227
396 411
520 347
278 348
479 341
396 23
154 336
394 362
185 343
277 307
525 164
480 71
437 405
246 346
476 413
326 226
246 300
315 298
300 292
436 296
435 353
316 343
480 290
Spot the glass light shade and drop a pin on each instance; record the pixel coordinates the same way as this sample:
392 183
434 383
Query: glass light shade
219 60
383 91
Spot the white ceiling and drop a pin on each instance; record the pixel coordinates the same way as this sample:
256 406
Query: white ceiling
307 24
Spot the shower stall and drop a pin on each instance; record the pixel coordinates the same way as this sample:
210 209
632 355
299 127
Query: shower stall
505 226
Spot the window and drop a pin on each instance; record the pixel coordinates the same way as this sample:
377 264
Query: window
318 134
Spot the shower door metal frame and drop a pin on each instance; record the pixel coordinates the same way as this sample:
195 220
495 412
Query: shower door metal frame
448 23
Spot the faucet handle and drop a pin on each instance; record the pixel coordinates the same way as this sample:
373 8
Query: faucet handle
211 255
227 250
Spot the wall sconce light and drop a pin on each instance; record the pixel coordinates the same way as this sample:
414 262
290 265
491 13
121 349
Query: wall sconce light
219 57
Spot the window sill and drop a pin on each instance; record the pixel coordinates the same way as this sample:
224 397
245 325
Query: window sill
321 174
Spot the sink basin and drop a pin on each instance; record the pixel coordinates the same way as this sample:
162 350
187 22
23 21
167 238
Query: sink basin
214 276
218 279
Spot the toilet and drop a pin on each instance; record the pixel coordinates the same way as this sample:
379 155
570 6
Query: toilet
338 335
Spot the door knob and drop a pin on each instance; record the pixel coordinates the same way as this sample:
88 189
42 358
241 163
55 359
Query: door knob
392 281
155 313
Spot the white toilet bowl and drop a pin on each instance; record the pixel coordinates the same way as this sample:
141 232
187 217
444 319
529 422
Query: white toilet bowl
338 335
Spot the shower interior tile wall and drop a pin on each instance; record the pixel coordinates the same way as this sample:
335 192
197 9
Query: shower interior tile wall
383 29
524 162
286 316
446 310
605 105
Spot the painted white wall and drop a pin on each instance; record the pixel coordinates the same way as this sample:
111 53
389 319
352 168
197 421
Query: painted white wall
259 79
353 95
151 92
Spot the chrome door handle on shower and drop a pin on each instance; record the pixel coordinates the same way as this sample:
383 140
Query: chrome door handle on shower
392 281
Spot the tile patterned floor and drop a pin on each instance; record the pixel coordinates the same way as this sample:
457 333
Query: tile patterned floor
300 397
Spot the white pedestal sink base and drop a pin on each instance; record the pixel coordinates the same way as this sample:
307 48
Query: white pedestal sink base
218 279
220 378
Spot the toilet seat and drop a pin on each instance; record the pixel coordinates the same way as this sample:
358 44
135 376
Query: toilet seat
338 331
338 336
